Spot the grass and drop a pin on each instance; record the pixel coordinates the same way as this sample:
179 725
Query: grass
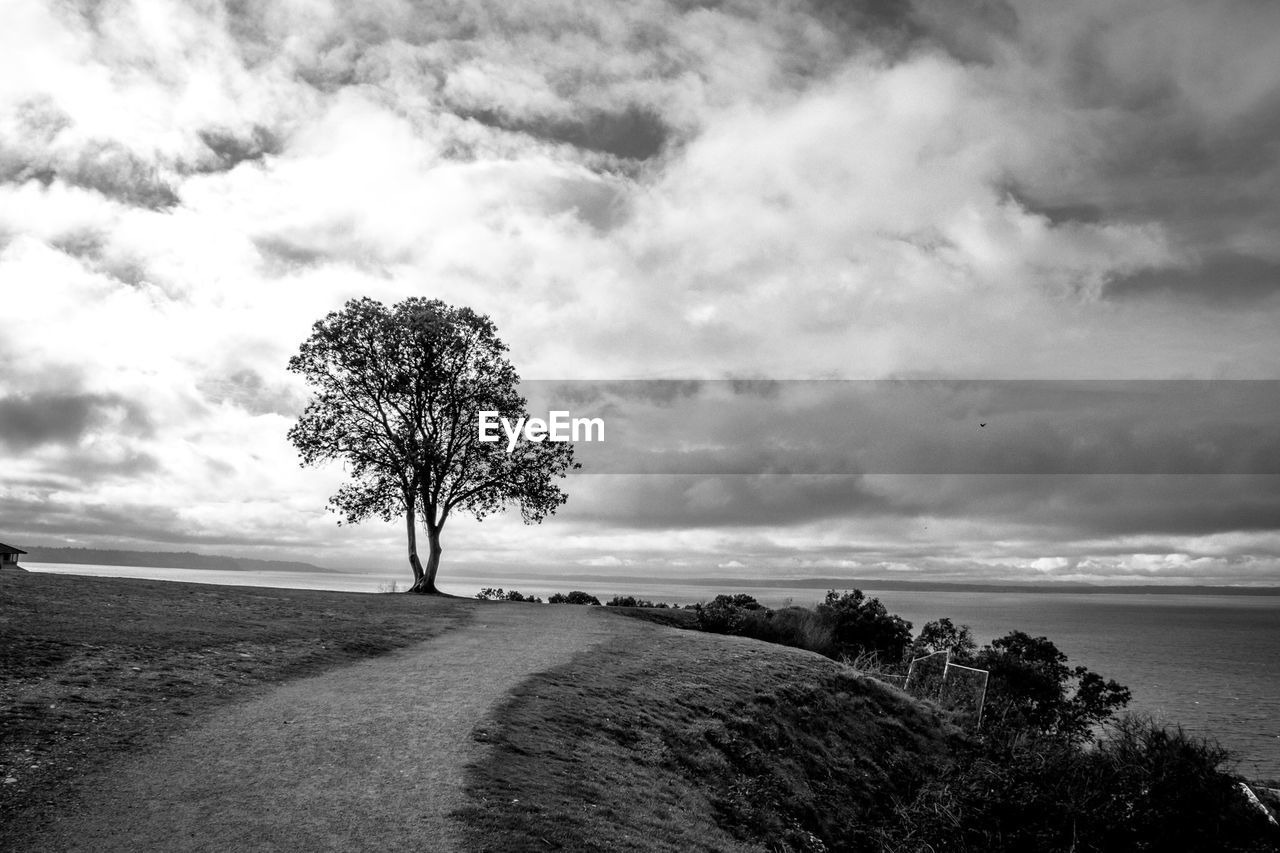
94 667
697 742
670 616
657 740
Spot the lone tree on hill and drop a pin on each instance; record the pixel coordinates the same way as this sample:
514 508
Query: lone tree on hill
398 394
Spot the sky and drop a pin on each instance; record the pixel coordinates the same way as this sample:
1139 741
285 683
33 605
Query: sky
1006 197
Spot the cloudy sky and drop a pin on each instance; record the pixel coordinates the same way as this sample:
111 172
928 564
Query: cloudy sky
760 189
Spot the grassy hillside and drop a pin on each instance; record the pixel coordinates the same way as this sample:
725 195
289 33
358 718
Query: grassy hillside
698 742
685 741
693 741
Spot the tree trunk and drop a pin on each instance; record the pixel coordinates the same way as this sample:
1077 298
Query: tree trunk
426 585
411 522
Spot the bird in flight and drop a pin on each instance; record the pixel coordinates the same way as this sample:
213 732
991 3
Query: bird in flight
981 425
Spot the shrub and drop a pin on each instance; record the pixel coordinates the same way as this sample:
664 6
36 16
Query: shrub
726 614
860 624
798 627
632 601
844 626
1142 787
577 596
491 594
722 615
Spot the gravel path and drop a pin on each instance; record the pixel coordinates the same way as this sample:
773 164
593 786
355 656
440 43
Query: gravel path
366 757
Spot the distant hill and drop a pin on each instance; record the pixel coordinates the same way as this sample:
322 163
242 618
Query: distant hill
163 560
882 585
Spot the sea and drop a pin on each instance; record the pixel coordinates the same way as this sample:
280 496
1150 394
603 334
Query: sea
1207 663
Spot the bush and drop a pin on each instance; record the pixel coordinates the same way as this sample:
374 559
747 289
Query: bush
860 625
721 615
1142 787
844 626
491 594
632 601
577 596
798 627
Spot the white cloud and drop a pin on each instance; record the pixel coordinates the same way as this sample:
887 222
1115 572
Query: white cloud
808 204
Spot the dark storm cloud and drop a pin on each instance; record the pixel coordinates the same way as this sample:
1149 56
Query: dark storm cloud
687 502
119 174
1221 279
633 133
50 517
1178 106
926 427
1169 505
337 242
106 167
34 420
599 79
1095 505
86 243
90 245
289 253
231 149
1060 459
969 30
1041 508
1206 184
1058 212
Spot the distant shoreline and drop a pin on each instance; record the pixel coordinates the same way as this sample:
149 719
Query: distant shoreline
903 586
164 560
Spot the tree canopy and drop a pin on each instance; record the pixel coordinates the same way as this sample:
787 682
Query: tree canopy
397 397
1032 689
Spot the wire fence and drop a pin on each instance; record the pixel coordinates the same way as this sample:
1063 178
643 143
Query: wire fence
956 687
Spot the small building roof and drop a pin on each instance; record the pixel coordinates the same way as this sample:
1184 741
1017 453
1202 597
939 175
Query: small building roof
9 549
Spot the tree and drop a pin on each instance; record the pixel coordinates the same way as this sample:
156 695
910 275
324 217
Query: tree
576 596
943 635
862 625
398 394
1032 690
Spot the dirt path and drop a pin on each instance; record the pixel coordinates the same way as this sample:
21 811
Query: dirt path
367 757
